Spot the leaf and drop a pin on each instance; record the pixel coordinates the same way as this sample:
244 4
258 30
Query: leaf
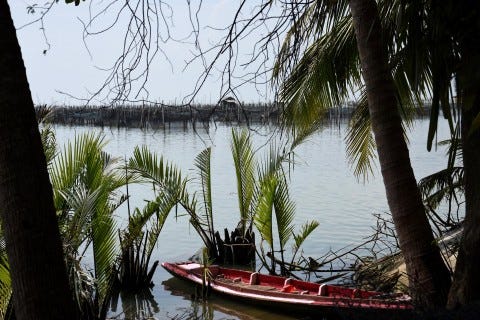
202 162
263 217
361 147
243 158
306 229
284 213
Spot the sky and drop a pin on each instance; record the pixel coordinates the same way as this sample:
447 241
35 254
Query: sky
62 66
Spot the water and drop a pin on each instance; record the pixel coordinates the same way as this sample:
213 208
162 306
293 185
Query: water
322 185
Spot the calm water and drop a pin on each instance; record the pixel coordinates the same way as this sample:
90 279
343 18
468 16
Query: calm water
322 186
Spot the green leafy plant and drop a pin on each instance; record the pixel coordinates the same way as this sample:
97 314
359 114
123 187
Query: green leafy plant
139 240
86 183
5 281
166 178
275 211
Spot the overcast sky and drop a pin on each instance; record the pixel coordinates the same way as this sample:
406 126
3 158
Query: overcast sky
67 65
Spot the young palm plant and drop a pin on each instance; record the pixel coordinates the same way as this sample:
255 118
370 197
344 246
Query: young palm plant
275 211
167 179
138 241
86 181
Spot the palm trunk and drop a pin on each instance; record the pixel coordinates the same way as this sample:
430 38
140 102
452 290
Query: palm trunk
428 275
39 278
466 280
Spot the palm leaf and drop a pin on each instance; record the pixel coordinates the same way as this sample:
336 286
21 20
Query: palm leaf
105 248
309 21
263 217
69 166
360 141
323 78
202 162
47 135
306 229
82 205
284 213
243 157
159 209
440 185
148 167
85 181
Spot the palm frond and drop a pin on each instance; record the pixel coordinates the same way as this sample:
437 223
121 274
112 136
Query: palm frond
158 209
82 204
442 184
284 213
243 158
47 135
309 21
105 248
323 78
148 167
263 217
85 181
306 229
360 142
202 162
69 167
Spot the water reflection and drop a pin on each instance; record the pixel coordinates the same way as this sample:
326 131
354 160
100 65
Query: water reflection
215 308
135 306
322 186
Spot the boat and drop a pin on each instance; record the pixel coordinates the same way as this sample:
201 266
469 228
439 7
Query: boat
294 295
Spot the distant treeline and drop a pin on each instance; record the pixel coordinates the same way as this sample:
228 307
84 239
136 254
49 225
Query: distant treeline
160 115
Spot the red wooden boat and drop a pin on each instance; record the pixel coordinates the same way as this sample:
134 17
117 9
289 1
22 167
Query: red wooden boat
292 294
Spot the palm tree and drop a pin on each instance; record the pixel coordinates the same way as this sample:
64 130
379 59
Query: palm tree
168 181
427 272
323 78
27 211
86 184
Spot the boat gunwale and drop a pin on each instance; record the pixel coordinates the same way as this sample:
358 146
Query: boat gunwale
248 291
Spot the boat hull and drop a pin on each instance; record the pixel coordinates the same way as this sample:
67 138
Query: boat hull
303 298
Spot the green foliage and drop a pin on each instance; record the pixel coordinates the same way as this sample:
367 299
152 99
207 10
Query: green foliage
207 275
85 184
139 240
360 141
47 134
318 68
165 177
202 162
306 229
263 216
243 158
85 181
275 211
5 281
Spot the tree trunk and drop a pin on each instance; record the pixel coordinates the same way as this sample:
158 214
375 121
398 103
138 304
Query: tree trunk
428 275
466 280
39 278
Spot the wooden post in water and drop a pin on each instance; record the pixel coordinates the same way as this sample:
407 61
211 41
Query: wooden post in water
163 114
